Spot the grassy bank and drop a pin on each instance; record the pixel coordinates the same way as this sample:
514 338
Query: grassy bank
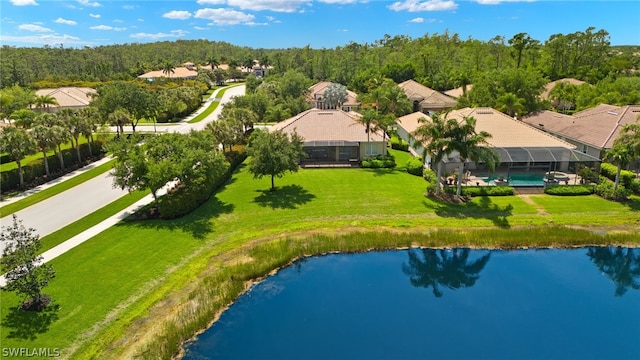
115 290
214 104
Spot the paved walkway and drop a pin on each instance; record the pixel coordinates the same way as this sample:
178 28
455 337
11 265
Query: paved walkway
89 233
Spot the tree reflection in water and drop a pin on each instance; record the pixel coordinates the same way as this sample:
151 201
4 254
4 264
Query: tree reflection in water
620 265
439 267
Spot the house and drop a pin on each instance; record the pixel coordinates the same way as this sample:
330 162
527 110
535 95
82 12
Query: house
522 148
333 137
458 92
316 94
549 86
592 131
188 71
425 99
70 97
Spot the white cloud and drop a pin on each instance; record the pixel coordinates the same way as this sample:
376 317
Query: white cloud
428 5
34 28
95 16
64 21
141 19
117 21
89 3
417 20
201 28
223 17
211 2
47 39
156 36
287 6
107 27
130 7
24 2
177 15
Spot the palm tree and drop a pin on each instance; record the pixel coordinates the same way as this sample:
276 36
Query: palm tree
625 149
44 137
334 96
18 143
469 145
214 62
23 118
510 104
44 101
119 118
435 135
91 118
447 268
168 68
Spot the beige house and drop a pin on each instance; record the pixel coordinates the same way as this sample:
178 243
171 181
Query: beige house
425 99
73 98
459 91
522 148
592 131
316 95
333 137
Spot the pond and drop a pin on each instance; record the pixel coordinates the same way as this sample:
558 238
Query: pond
440 304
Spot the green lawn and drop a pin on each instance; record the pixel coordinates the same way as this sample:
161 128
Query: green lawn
111 281
212 106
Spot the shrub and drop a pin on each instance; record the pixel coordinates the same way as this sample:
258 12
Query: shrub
635 186
432 180
399 144
569 190
609 171
606 189
415 167
482 190
378 161
588 175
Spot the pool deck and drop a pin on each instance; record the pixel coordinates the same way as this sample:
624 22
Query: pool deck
474 180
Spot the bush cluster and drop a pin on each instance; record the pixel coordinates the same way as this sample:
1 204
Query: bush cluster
606 189
399 144
570 190
431 178
609 171
184 199
415 167
379 161
482 190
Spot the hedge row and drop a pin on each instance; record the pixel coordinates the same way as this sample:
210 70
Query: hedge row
609 171
399 144
482 190
570 190
379 161
34 172
415 167
183 200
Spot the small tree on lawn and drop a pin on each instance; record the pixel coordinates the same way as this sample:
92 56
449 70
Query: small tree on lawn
20 260
273 154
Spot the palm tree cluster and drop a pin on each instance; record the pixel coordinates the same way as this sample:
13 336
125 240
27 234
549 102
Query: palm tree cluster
442 136
31 132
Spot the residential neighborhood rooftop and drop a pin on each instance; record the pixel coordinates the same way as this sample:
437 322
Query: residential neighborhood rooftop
68 97
424 95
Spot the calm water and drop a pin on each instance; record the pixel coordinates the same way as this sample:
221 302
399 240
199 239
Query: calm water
520 179
438 304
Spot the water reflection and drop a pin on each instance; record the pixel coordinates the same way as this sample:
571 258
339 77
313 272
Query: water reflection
436 268
620 265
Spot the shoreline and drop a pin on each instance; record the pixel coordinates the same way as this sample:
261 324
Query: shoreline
305 246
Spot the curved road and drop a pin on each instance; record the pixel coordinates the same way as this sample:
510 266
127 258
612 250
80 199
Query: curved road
65 208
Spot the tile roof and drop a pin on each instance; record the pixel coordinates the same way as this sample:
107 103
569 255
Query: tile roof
318 89
597 127
457 92
178 72
426 96
505 131
327 125
69 96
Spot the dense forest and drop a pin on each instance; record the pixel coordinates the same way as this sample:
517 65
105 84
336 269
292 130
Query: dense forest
440 61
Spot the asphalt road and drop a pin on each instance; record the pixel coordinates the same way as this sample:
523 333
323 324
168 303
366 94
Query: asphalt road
65 208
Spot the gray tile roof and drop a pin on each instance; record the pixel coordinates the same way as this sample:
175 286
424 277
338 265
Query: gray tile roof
597 127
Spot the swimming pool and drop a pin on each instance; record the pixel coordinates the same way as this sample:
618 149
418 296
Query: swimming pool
518 179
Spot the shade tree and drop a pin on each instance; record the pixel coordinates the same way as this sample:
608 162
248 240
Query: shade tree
18 144
273 154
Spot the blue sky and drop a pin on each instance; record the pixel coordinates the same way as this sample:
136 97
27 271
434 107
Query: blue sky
297 23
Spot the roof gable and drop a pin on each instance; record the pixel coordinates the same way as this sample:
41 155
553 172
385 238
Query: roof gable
69 96
327 125
418 92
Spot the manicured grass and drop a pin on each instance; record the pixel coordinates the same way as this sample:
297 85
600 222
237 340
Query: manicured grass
56 189
212 106
106 286
90 220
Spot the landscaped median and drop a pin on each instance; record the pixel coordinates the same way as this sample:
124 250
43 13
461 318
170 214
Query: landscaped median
116 290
